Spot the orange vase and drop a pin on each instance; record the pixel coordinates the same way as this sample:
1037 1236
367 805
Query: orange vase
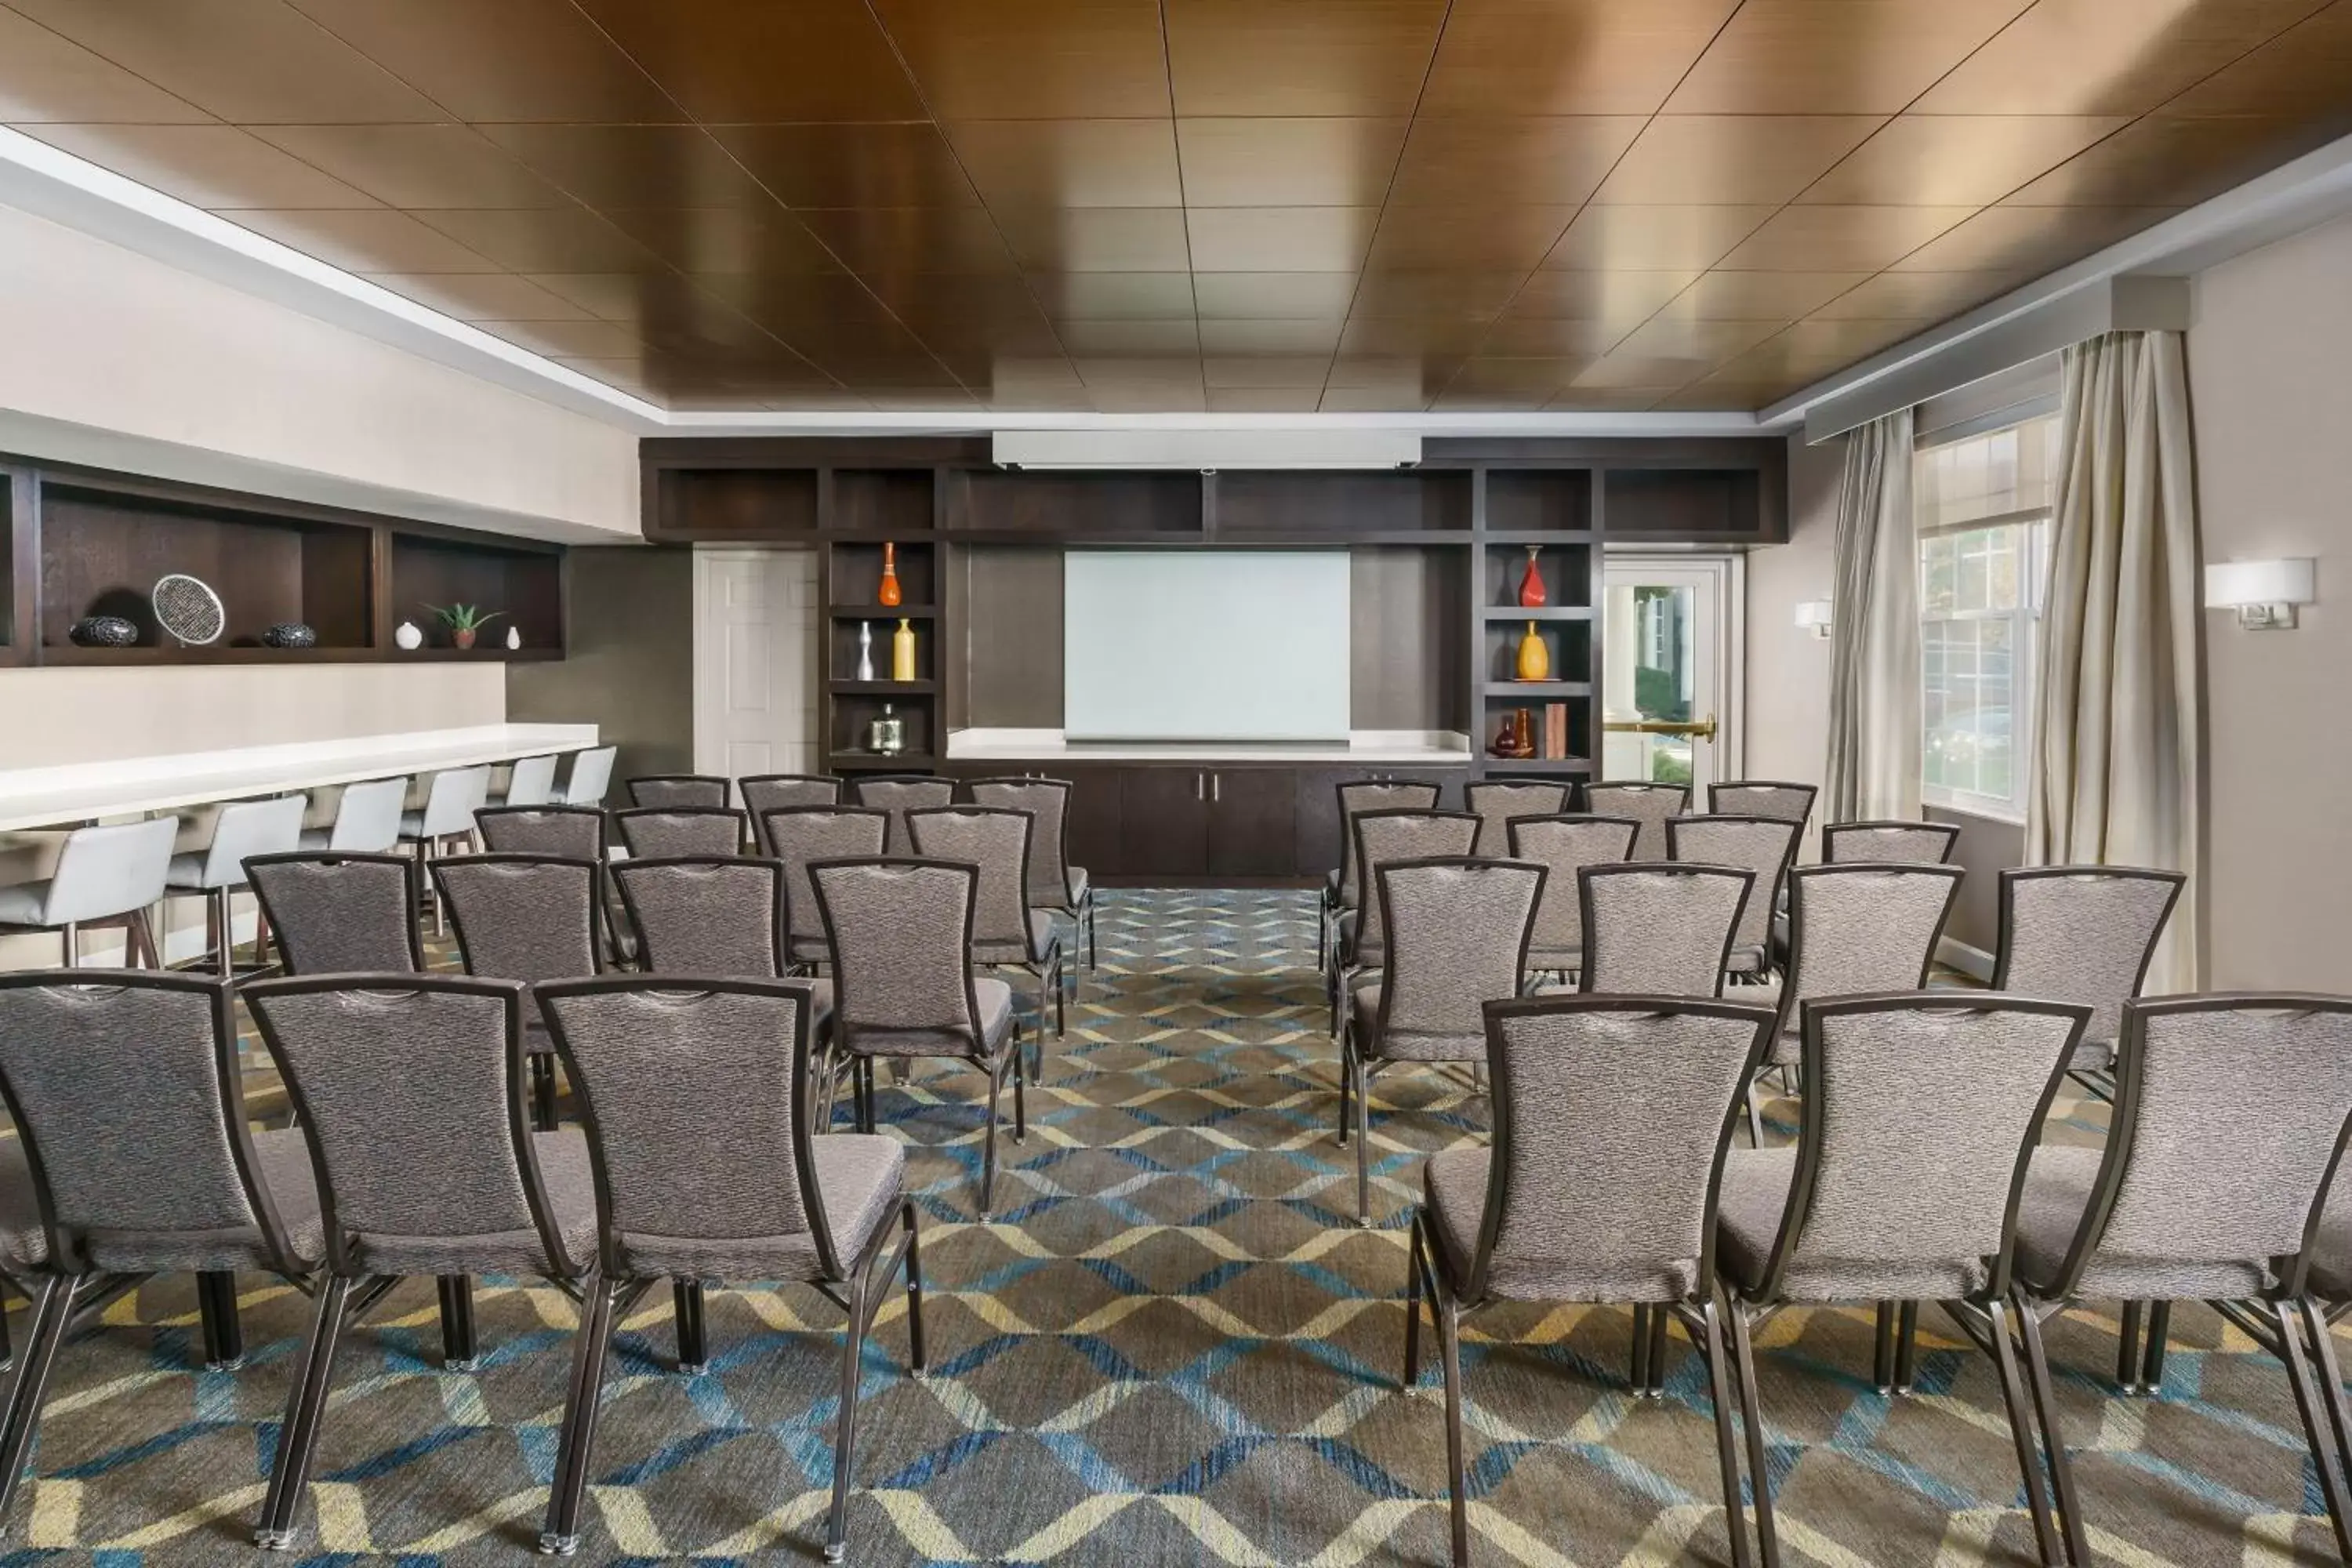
889 593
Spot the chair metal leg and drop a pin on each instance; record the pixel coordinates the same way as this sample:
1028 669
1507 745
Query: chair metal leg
916 1361
988 1146
1020 1102
1449 1352
298 1439
2127 1349
69 934
1727 1441
1347 1050
1412 1267
693 1352
560 1536
1755 1119
2029 1461
1882 1362
2317 1430
2338 1412
7 1349
845 1423
1656 1387
458 1350
1759 1474
2159 1329
52 1313
1363 1095
1907 1345
216 1311
2053 1437
542 1090
1637 1376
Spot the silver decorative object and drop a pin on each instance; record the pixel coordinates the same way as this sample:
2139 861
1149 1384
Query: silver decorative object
188 610
865 650
887 736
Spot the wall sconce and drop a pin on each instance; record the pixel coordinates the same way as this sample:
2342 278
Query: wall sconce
1813 615
2263 593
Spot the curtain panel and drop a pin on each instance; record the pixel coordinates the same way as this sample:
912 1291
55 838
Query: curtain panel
1874 747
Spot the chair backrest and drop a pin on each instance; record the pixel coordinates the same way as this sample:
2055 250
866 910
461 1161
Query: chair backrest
706 914
340 914
2082 934
591 775
1764 844
531 781
1911 843
696 1105
411 1092
667 830
1920 1111
678 789
895 794
522 917
1760 797
451 798
2228 1129
126 1092
1664 930
573 832
1611 1116
367 817
1860 927
801 835
764 793
244 829
1387 834
1495 802
1651 805
111 870
1373 794
1457 939
1563 846
1047 801
994 839
900 932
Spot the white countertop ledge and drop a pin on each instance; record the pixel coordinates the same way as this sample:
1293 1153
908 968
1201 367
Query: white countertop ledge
128 786
1427 748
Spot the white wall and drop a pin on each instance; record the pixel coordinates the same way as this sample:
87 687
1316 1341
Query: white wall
113 358
1788 668
2270 375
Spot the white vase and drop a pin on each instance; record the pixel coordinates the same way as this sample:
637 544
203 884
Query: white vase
408 636
514 639
865 650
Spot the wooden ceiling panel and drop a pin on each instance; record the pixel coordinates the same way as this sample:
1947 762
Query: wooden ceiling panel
1626 296
1466 240
1568 57
1918 296
2163 160
902 241
1540 335
1289 163
1275 296
1121 295
418 166
1652 239
1264 399
502 61
1733 158
1539 158
1113 339
1267 371
1095 239
1950 160
369 239
1414 375
765 240
830 164
2107 56
483 296
1340 57
1269 337
1845 57
2028 239
1470 295
1069 163
1033 59
49 77
747 62
1865 239
1279 239
1398 339
552 239
1724 295
219 167
2303 71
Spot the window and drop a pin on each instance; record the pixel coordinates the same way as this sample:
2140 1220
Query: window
1982 506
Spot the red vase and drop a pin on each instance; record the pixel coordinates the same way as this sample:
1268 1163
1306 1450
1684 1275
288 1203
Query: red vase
889 593
1531 588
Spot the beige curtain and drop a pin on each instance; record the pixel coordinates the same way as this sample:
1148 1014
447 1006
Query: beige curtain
2115 771
1874 744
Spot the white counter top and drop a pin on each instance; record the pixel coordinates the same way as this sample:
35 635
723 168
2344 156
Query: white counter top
1428 748
78 792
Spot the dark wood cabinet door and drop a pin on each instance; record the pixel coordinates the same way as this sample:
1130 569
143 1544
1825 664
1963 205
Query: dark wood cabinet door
1252 822
1095 818
1163 821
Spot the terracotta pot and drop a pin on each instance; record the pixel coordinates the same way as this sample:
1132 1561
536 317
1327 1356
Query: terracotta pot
463 636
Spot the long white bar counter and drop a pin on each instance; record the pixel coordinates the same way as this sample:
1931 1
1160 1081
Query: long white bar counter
128 786
1427 748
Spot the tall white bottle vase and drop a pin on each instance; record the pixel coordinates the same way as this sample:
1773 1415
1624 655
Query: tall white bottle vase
865 650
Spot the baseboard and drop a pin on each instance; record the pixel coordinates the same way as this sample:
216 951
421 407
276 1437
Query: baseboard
1973 961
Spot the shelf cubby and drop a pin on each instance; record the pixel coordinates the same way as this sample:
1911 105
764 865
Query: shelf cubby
1310 506
1566 571
1538 501
733 503
1701 505
524 586
854 578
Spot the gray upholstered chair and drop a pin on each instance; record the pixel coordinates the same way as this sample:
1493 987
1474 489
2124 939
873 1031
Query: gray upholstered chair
1659 928
1563 846
1054 883
650 790
1764 844
895 794
1006 932
900 933
1342 889
340 914
800 835
411 1092
109 875
1651 805
661 831
133 1158
366 820
1496 803
1383 835
1889 843
591 776
531 918
573 832
2084 933
764 793
1919 1113
531 781
706 914
216 873
1613 1117
697 1105
445 819
1457 939
2231 1116
1760 797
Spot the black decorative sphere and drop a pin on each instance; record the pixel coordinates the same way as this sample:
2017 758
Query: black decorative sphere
103 631
290 634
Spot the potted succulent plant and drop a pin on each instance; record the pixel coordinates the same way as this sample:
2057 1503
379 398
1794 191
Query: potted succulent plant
463 620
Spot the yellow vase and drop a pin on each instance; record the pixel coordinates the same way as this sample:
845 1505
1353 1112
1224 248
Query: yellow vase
902 652
1534 658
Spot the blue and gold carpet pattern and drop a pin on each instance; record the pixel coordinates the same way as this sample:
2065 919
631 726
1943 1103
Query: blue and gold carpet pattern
1172 1346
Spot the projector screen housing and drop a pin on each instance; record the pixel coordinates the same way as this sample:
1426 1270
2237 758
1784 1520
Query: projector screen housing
1203 644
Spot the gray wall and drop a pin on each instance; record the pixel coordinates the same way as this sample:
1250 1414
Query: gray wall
1987 848
630 669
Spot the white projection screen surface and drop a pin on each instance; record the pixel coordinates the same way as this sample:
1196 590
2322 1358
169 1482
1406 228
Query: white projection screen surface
1204 645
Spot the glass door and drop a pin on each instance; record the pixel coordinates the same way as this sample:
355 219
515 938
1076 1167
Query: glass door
1666 679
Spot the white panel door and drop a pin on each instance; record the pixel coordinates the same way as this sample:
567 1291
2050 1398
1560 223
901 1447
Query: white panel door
1669 684
754 661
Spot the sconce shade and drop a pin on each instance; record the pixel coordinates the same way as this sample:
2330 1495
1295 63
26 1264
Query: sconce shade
1813 615
2234 585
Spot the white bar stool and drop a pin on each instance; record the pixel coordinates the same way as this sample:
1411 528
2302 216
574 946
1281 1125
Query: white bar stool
243 827
367 819
530 781
104 877
451 798
591 775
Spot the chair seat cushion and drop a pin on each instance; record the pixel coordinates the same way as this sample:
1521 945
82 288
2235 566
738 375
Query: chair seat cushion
2331 1254
562 1160
810 950
2093 1055
859 1177
282 1161
1755 1195
20 904
186 872
412 825
1408 1046
2058 1187
1079 884
995 999
1564 958
1455 1188
1745 961
1041 941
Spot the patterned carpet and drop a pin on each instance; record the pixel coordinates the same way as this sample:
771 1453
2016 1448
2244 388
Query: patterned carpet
1172 1346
